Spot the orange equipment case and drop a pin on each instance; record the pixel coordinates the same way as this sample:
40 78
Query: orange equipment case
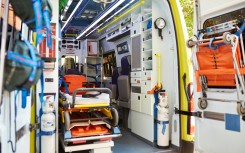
73 82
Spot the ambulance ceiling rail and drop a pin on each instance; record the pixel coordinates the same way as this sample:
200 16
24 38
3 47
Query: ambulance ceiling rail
141 2
114 15
102 16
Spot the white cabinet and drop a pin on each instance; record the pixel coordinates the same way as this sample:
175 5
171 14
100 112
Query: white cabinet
147 102
146 86
136 102
146 75
135 74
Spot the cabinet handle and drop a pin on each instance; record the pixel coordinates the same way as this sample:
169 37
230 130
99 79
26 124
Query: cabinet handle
145 96
145 73
138 97
134 31
145 83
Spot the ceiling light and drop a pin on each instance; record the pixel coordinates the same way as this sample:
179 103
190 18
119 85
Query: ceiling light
86 11
90 16
83 16
103 1
68 20
101 17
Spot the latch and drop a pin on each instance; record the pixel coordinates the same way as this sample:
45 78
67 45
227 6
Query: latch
34 126
196 114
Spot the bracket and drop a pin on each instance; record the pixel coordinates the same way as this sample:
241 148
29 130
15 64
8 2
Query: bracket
196 114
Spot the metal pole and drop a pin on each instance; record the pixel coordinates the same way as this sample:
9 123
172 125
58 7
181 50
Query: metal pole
3 45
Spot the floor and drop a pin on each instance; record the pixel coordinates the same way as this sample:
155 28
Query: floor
128 143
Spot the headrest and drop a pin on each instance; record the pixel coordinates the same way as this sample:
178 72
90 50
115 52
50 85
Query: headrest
125 64
73 71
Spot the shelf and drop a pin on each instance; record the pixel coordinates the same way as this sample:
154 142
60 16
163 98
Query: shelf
93 57
148 30
92 70
148 40
147 61
147 19
147 51
119 36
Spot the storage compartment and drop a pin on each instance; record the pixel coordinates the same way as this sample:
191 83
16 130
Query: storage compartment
135 74
136 88
145 86
135 80
135 24
146 75
136 102
147 104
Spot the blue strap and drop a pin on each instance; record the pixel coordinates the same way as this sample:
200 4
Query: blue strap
65 84
48 28
25 61
242 28
164 125
44 133
25 93
38 19
210 44
41 95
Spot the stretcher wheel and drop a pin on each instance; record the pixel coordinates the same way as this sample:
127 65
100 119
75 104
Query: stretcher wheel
190 43
202 104
226 38
115 117
67 121
240 109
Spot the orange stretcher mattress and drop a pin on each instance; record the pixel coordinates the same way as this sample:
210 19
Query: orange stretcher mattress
210 61
90 130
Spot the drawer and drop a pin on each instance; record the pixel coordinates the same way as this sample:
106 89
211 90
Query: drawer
136 89
147 102
135 74
146 86
146 75
136 102
135 80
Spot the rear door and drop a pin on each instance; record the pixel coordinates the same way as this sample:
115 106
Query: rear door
221 129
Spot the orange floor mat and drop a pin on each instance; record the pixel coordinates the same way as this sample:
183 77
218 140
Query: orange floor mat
89 130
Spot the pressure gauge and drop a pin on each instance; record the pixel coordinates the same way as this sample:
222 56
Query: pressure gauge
160 23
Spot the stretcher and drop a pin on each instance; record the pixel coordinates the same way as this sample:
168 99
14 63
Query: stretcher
87 118
219 63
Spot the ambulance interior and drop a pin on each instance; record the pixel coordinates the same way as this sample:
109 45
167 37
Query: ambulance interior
123 76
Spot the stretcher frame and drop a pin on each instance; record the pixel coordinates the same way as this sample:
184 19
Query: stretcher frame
232 40
99 144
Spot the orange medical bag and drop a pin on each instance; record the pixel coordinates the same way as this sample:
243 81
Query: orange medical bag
73 82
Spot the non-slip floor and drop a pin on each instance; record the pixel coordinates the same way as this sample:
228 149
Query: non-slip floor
128 143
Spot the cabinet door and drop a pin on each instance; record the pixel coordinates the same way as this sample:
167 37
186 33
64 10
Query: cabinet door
135 102
147 104
136 53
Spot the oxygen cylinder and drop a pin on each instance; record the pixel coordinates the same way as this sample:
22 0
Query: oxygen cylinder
163 121
48 127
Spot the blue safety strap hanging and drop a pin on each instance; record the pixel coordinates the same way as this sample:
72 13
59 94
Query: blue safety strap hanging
37 6
164 125
241 29
48 28
211 46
